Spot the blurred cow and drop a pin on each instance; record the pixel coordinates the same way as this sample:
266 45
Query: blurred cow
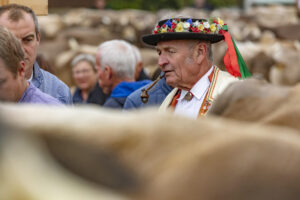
143 155
258 101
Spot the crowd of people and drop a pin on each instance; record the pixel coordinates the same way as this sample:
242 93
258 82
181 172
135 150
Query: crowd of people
213 161
115 77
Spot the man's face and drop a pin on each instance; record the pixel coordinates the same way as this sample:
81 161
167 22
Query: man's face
24 30
176 60
84 75
103 76
10 85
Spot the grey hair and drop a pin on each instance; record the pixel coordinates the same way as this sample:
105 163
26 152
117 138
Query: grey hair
137 54
84 57
210 52
118 54
209 48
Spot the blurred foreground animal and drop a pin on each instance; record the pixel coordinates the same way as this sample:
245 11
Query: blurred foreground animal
88 153
260 102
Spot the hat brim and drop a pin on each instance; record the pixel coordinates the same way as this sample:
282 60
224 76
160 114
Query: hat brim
153 39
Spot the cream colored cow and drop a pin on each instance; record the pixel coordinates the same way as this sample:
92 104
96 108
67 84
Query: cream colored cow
144 155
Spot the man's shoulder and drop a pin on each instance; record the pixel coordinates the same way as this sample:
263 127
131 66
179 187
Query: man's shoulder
115 102
160 88
137 92
34 95
221 80
224 78
52 85
48 77
156 95
45 98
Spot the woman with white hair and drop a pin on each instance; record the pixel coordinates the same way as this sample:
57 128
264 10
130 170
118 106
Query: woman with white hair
85 76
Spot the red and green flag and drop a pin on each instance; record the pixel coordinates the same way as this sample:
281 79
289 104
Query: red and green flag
233 59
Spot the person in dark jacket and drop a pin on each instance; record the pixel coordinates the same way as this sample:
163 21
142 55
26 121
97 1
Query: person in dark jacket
116 62
85 77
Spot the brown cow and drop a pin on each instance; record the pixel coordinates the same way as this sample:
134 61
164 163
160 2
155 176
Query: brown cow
232 167
258 101
146 155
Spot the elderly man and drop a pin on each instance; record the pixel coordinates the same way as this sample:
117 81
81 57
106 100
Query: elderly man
185 57
13 84
115 62
22 22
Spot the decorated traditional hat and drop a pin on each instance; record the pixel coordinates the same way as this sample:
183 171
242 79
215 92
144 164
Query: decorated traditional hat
212 30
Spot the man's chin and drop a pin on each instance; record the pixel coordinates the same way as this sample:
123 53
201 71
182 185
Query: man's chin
171 82
84 87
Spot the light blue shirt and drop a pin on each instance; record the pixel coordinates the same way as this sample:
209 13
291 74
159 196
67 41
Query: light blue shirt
50 84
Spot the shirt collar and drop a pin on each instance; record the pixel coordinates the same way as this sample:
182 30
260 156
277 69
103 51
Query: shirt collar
200 87
37 78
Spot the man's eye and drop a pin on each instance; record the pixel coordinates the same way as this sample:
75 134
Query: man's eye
2 81
172 51
27 40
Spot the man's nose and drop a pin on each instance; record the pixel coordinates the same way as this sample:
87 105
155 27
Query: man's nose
22 45
162 61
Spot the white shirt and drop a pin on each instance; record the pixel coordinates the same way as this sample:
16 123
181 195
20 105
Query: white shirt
191 108
30 79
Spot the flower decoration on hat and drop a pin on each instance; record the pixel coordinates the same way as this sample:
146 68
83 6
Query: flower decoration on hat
199 26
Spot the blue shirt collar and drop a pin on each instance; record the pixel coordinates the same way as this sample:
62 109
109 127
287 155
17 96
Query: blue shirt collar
37 75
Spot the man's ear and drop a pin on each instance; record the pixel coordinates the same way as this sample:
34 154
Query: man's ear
108 72
201 52
138 69
38 37
21 69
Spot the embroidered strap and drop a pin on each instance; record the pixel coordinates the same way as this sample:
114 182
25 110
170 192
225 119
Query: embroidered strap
175 99
207 101
204 107
213 80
